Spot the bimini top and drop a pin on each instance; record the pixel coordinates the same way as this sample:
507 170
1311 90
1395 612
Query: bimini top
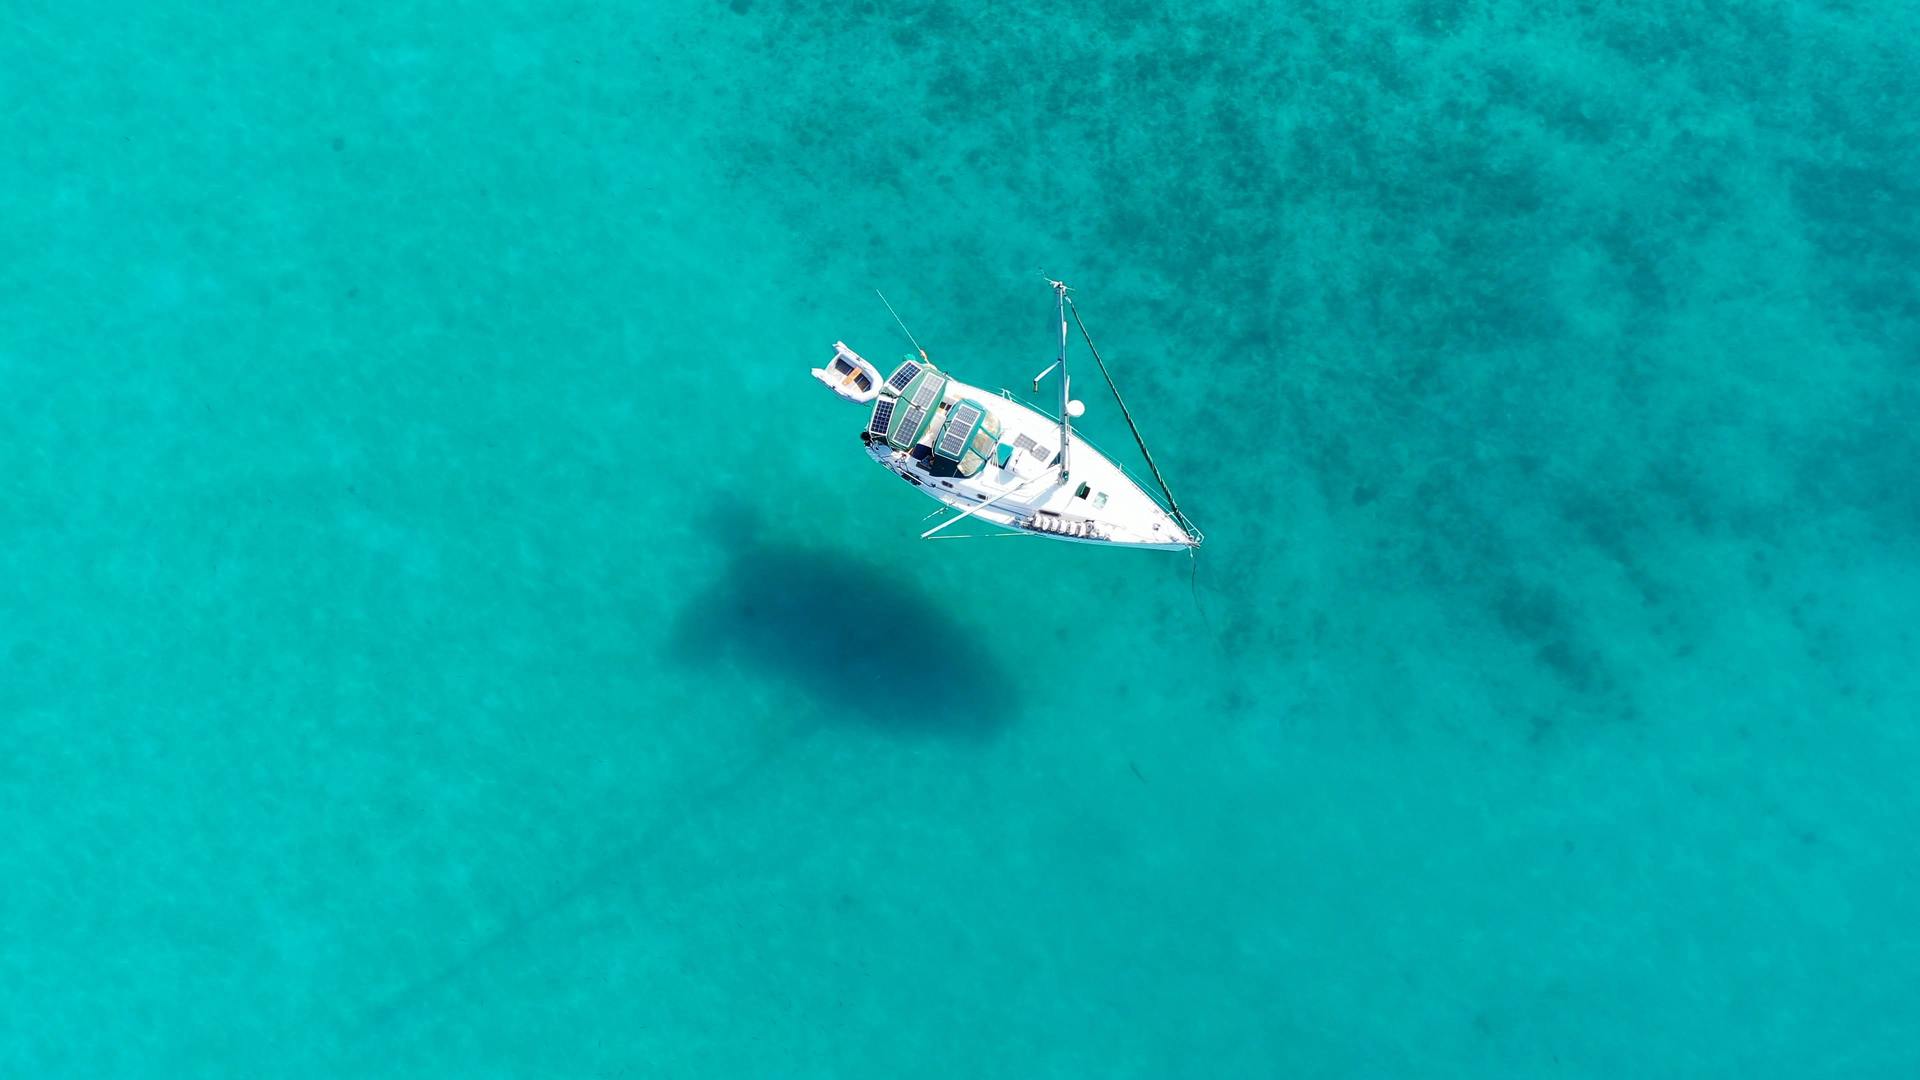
966 440
907 403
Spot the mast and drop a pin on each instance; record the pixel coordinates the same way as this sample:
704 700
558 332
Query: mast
1066 428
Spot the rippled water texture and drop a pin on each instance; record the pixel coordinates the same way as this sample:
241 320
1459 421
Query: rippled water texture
444 630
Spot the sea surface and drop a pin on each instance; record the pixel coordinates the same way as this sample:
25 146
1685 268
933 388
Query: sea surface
445 631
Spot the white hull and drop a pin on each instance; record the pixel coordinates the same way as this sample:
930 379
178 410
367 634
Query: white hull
1096 502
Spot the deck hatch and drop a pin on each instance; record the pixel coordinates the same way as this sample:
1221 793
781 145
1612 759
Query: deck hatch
1040 453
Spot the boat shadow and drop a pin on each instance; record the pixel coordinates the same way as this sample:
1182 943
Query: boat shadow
865 645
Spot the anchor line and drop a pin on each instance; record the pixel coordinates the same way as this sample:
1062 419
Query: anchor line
1178 515
903 325
1193 585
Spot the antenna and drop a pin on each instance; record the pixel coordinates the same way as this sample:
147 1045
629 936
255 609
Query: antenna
903 326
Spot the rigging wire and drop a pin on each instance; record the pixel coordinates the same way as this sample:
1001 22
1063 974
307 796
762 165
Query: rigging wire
987 536
1172 504
1193 555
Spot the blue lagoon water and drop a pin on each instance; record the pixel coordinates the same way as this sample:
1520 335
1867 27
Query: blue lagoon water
443 629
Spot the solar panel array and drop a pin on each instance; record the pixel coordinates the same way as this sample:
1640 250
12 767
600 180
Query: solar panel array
904 376
882 413
954 440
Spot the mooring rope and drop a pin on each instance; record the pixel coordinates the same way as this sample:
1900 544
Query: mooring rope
1173 505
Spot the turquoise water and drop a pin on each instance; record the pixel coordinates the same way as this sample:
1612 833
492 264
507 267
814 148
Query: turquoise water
445 631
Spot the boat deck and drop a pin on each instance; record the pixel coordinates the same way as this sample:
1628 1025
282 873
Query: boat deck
1097 503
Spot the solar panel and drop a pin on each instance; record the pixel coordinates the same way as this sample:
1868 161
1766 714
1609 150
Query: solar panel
954 440
1040 453
924 396
882 413
904 376
910 424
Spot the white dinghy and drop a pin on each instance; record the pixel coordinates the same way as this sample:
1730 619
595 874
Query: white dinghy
989 458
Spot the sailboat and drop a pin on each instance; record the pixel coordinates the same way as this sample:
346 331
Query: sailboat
990 458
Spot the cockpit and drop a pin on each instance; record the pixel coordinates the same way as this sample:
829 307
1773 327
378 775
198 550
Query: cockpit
967 440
